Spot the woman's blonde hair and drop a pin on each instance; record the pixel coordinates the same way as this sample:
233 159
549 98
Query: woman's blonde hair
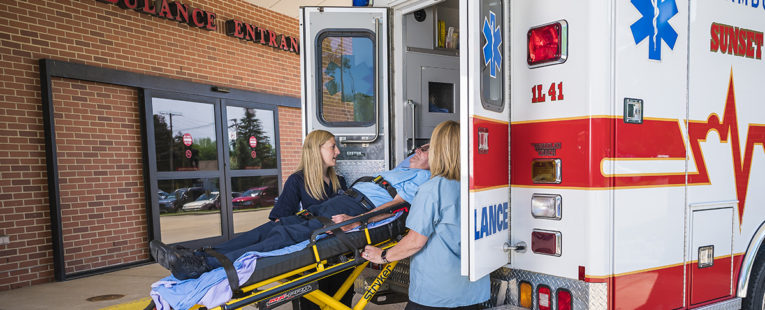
311 163
444 157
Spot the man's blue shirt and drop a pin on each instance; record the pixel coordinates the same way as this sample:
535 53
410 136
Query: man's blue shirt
406 181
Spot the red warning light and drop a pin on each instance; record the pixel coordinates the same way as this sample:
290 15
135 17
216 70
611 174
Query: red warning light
547 44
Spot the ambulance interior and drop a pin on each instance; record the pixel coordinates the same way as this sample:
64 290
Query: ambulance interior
426 89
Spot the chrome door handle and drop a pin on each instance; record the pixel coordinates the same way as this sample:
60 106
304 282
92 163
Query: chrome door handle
411 103
519 247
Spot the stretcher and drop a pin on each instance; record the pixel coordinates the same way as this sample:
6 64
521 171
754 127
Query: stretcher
280 279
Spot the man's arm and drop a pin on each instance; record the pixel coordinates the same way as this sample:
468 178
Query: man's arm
344 217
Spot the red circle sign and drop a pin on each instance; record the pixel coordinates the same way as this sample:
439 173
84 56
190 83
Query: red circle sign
187 139
188 153
253 142
253 154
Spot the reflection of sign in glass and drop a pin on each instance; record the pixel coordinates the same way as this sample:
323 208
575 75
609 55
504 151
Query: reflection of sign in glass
253 142
187 140
253 154
188 153
483 140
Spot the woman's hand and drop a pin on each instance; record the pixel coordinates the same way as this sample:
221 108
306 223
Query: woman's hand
372 254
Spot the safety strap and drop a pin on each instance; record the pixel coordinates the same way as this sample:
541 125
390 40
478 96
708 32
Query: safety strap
231 275
339 233
379 180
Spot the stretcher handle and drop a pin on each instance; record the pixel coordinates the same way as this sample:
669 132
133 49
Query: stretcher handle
364 219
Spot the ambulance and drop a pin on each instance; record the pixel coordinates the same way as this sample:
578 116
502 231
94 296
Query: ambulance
612 151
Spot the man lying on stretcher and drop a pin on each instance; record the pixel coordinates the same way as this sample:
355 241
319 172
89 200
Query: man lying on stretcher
396 186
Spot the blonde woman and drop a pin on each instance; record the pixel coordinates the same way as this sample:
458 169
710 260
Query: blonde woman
433 240
315 179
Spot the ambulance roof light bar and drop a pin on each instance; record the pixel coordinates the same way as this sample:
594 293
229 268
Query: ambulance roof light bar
547 44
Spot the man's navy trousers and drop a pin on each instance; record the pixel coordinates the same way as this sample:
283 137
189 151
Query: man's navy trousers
287 231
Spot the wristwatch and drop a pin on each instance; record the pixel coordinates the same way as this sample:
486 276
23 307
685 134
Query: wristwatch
382 256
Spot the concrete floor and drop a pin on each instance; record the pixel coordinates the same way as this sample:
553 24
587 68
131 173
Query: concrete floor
133 283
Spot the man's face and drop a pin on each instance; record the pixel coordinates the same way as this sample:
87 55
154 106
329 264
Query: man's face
420 158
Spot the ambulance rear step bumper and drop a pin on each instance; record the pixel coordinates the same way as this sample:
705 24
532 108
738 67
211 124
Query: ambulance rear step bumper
730 304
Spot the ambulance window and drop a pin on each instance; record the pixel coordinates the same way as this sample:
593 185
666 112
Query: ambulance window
492 60
346 93
440 97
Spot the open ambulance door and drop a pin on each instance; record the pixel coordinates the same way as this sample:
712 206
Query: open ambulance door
344 67
484 136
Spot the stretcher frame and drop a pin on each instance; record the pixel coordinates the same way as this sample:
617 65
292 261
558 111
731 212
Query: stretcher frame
298 282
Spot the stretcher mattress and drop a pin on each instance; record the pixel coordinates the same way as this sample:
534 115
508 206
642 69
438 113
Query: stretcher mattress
329 248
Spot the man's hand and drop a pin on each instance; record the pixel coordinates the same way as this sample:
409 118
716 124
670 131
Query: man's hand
339 218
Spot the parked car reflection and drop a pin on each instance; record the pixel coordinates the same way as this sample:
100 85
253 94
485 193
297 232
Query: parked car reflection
175 201
255 197
209 201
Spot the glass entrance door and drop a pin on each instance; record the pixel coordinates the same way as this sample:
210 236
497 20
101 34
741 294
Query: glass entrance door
213 165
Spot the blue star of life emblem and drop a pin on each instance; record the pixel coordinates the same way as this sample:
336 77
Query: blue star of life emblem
654 25
492 56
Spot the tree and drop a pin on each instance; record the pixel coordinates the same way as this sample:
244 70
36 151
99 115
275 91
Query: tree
241 155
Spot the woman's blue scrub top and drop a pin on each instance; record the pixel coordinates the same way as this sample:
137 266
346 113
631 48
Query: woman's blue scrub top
434 273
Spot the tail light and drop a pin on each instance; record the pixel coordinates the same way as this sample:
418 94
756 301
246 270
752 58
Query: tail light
546 242
546 206
525 295
547 44
564 299
544 297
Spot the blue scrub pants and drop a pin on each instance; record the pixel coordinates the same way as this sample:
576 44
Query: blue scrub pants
287 231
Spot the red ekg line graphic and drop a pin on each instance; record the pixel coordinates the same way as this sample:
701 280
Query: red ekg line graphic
727 128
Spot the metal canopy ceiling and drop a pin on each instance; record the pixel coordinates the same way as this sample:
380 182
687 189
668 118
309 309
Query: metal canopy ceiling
290 7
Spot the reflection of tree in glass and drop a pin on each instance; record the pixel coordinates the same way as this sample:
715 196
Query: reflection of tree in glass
343 80
241 158
162 141
171 152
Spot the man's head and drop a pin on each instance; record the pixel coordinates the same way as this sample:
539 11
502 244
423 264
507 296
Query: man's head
420 158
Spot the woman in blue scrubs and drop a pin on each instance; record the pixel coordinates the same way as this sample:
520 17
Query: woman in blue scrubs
433 240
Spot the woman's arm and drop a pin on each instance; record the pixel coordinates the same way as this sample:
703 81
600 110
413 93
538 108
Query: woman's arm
289 201
408 246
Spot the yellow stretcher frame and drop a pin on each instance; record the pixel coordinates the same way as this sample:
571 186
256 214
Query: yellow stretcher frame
304 276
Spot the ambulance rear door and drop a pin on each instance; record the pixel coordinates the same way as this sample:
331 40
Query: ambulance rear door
484 137
344 68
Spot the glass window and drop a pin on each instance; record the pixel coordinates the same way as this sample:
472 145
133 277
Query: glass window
191 209
347 89
184 134
492 56
440 97
251 138
253 198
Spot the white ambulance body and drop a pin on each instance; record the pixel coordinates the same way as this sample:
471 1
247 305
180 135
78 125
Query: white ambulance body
612 151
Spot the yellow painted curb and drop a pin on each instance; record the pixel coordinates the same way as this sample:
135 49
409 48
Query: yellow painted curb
131 305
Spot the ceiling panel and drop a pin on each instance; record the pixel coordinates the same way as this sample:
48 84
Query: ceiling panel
290 7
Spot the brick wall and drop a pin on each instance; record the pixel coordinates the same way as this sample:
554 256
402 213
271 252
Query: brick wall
104 35
103 209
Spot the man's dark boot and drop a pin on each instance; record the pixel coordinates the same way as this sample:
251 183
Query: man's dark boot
189 266
183 263
164 254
